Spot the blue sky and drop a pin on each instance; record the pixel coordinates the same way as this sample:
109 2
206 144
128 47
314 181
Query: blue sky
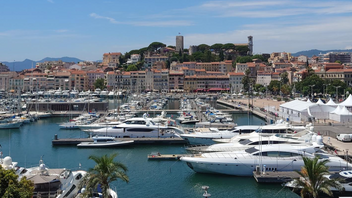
86 29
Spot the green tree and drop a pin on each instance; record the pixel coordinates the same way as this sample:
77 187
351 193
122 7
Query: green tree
228 46
198 56
338 61
221 55
284 78
304 85
132 68
313 182
242 50
246 80
286 89
244 59
105 171
216 47
261 57
203 47
100 83
156 46
207 56
135 51
171 46
274 86
11 187
257 87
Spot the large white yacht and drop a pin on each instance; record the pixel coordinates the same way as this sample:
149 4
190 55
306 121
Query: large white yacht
212 135
138 128
275 158
244 141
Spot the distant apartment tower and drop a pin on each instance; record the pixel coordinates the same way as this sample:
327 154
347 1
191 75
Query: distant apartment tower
344 57
250 45
179 43
192 49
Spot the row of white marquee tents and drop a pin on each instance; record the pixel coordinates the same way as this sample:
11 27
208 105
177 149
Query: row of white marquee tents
303 110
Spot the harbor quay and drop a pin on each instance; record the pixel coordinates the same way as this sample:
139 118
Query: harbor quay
67 106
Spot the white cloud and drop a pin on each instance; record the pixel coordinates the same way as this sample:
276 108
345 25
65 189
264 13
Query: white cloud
61 31
50 1
111 20
169 23
331 33
271 9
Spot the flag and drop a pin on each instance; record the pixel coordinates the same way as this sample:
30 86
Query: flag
336 151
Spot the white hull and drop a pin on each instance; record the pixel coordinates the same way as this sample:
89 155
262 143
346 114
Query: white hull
104 144
189 121
245 166
15 125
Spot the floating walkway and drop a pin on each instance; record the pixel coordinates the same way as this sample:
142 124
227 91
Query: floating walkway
275 177
158 156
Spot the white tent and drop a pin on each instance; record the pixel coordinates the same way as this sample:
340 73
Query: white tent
309 101
341 114
320 101
331 103
337 110
347 102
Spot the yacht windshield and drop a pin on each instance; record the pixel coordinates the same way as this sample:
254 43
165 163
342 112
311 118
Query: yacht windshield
245 142
251 150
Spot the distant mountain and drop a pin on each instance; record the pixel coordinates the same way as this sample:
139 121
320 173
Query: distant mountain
19 66
28 64
64 59
316 52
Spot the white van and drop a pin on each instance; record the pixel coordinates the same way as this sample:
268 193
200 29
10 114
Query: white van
344 137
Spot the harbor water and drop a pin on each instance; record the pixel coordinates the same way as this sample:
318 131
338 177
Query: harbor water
148 179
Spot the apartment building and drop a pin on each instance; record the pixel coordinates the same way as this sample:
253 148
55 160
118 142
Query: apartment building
235 81
93 75
263 78
150 60
5 80
111 58
176 79
35 81
206 83
79 80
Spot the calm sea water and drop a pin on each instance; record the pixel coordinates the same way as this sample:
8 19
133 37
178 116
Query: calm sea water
148 179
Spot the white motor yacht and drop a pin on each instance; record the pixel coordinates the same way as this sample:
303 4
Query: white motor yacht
139 128
274 157
244 141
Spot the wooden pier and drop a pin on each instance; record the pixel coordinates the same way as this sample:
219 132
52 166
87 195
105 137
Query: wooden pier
275 177
75 141
158 156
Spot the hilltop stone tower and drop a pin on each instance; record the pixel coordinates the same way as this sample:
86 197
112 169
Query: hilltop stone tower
179 43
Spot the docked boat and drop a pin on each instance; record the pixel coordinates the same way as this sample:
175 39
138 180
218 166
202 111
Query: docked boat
189 120
274 157
10 124
344 178
245 141
138 128
58 183
104 141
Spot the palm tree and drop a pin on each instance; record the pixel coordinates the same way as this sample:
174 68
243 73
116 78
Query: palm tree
104 172
312 181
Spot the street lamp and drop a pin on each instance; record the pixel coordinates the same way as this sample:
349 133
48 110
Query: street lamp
326 89
337 97
311 91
